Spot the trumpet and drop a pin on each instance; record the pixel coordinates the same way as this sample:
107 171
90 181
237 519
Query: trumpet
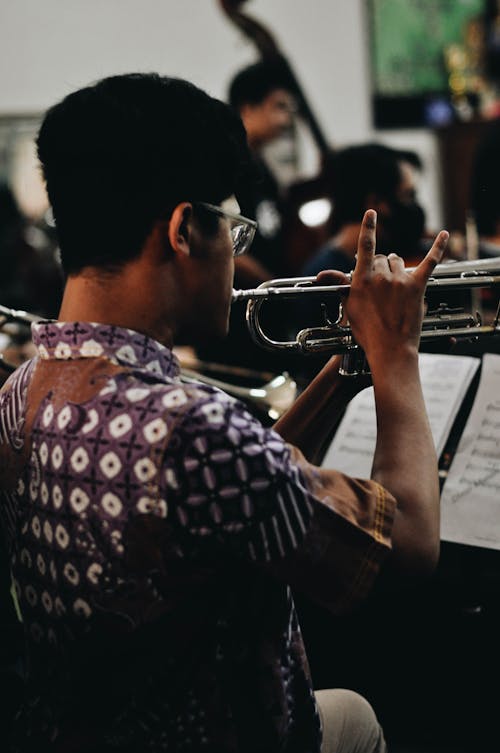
335 337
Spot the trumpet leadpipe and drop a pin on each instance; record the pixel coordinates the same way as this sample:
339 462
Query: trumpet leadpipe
281 289
446 276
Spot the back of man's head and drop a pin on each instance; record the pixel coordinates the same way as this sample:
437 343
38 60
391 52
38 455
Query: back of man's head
363 171
118 155
254 83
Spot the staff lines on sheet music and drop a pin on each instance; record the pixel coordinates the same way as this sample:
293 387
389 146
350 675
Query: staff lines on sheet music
432 399
366 435
479 452
356 450
437 416
362 421
482 483
439 386
488 438
366 409
486 466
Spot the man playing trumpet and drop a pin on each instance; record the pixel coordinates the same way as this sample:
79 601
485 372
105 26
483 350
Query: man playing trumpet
155 528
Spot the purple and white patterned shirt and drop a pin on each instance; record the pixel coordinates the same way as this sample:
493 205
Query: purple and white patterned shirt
154 528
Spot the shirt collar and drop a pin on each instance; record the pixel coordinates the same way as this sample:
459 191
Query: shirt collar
71 340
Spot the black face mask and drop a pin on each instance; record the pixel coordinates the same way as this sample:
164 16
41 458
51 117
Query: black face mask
403 228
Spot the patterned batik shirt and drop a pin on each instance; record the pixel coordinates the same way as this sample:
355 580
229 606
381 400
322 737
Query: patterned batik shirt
154 529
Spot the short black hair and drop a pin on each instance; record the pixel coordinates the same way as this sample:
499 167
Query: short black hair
485 181
253 84
359 170
120 154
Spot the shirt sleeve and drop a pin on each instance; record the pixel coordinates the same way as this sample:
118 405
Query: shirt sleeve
347 540
236 485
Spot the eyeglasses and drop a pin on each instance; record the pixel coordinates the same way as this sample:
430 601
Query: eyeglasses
242 229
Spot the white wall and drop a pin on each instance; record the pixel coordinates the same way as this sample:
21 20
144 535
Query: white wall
50 47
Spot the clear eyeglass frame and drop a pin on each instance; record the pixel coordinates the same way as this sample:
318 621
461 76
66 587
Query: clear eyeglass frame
242 228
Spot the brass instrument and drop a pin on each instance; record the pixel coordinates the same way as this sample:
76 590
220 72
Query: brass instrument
14 317
273 398
335 337
15 325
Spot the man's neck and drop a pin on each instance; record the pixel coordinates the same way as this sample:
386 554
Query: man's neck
114 299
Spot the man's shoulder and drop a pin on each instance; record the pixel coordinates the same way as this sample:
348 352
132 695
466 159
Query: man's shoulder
13 404
196 415
175 398
14 387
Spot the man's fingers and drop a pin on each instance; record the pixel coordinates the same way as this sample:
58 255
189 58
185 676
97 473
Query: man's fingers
396 263
332 277
433 257
366 242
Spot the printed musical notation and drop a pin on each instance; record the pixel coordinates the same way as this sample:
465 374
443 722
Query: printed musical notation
470 500
445 380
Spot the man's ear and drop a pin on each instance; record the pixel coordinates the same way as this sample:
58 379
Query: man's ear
180 228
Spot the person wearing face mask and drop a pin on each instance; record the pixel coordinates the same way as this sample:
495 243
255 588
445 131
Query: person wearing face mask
364 175
372 175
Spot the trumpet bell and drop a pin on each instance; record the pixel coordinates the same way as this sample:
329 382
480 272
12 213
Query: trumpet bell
271 399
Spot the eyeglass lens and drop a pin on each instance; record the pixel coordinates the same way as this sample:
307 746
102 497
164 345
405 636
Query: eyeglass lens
242 236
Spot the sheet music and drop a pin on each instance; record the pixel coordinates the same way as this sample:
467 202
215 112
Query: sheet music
445 380
470 500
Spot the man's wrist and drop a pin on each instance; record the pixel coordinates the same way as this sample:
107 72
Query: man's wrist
398 360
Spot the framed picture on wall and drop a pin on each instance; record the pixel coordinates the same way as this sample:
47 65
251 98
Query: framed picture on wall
425 60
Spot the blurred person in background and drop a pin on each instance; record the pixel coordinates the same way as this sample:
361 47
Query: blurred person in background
262 96
31 277
377 176
364 175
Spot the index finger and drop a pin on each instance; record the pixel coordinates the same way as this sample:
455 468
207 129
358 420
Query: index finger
433 257
366 242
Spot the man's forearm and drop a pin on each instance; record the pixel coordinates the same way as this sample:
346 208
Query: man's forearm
312 419
405 462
